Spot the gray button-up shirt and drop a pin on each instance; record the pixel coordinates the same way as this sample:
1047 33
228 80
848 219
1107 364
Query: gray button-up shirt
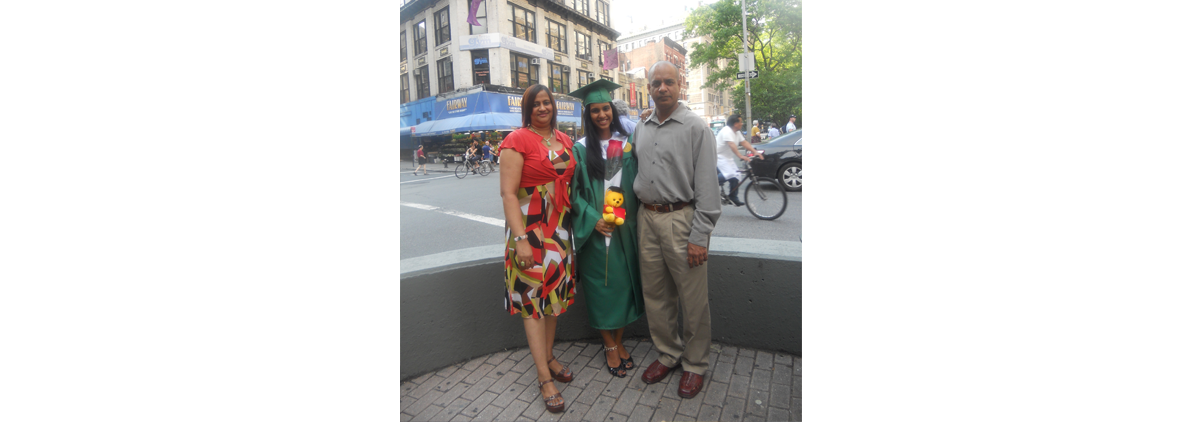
677 162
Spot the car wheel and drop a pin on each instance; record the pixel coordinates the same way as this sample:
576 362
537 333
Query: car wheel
790 175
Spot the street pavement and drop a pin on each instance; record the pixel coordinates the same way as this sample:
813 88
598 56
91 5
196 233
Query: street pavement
742 384
468 213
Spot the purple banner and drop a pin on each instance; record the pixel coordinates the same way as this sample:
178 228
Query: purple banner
474 10
610 59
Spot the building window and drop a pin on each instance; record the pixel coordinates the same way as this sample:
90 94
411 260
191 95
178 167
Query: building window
481 16
602 13
419 43
480 67
445 69
441 21
583 45
403 46
558 78
421 74
585 78
581 6
404 88
603 47
606 77
523 73
556 36
524 25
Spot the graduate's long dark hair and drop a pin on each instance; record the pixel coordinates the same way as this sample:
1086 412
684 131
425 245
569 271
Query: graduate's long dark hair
594 162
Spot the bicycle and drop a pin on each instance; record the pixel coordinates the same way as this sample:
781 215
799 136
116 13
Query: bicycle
466 167
765 198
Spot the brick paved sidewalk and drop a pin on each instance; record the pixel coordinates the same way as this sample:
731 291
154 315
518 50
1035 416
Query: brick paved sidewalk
742 385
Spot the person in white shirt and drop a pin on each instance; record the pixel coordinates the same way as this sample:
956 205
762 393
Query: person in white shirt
791 126
774 132
728 140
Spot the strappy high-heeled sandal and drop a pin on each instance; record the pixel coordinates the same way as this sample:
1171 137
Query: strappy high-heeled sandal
563 376
616 371
562 405
627 363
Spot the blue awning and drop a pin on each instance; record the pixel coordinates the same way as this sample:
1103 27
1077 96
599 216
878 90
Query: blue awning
470 123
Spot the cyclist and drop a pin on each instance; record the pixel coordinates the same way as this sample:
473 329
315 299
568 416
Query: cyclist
728 140
472 156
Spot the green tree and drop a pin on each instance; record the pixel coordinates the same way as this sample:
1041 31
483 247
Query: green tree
773 31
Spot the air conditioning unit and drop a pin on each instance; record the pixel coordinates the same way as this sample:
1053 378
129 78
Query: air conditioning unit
535 60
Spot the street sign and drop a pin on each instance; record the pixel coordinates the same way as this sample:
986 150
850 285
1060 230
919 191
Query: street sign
746 61
742 75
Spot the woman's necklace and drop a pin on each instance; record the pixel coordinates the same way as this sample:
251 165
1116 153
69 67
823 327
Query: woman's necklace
545 138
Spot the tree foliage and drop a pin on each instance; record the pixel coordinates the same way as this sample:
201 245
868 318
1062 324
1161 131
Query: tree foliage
773 30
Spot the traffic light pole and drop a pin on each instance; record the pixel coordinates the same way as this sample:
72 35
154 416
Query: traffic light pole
746 51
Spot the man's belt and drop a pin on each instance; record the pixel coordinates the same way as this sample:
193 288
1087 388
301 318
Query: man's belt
666 207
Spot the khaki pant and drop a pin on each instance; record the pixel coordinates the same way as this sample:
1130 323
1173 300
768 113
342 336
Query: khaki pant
668 286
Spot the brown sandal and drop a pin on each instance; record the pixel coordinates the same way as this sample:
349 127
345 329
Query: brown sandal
563 376
556 396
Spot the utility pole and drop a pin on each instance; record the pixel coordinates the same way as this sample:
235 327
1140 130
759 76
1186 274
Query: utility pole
748 61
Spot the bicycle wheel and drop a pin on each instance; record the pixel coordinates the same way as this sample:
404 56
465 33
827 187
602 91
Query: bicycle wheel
765 198
485 168
462 170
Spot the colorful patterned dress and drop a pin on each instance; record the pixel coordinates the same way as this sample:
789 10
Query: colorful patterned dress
548 287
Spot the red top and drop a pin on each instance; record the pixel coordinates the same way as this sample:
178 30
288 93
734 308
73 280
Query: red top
421 153
538 170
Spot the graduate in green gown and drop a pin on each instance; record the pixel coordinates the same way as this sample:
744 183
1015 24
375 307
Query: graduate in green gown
606 254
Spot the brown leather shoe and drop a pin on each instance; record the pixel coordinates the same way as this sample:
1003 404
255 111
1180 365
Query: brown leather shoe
689 384
655 373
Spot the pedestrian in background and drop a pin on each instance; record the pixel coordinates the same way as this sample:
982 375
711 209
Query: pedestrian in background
677 185
621 109
774 131
791 126
607 253
754 138
486 148
539 262
421 161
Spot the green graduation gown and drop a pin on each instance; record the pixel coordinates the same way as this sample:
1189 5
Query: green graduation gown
610 277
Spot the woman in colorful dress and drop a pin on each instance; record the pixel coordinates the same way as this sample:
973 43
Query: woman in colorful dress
607 253
535 175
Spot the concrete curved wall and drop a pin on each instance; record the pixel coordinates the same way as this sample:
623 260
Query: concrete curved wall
451 304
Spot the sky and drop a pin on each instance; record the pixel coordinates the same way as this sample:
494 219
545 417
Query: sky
629 16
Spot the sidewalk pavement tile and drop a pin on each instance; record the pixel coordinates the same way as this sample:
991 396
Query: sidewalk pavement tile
570 393
781 395
526 361
652 393
734 409
453 409
421 378
504 367
709 413
764 360
480 372
569 354
641 413
461 418
744 365
691 407
615 385
715 392
744 351
477 389
794 411
531 393
600 408
781 375
760 379
426 386
404 417
474 408
561 346
628 400
535 410
584 375
491 412
796 387
721 371
510 391
448 397
666 409
430 413
511 410
525 419
472 364
417 407
572 414
453 380
730 351
776 414
591 392
615 417
755 418
498 357
445 372
528 377
782 359
739 385
756 404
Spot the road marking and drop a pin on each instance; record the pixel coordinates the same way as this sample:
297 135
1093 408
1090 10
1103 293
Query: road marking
482 219
422 180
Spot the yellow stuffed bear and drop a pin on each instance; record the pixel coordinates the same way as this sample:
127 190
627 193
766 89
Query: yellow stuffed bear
613 213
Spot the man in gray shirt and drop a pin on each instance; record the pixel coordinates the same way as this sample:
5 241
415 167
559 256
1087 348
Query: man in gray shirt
677 185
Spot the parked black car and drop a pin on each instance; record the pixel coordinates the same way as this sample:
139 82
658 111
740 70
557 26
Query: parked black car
781 160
